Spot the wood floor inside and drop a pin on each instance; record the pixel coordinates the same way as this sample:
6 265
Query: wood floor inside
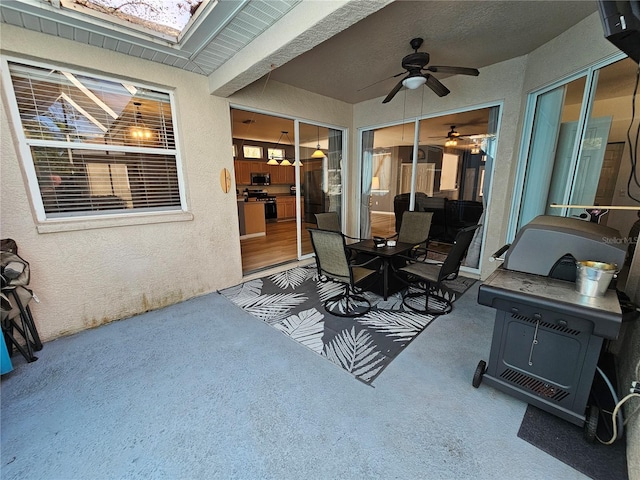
278 246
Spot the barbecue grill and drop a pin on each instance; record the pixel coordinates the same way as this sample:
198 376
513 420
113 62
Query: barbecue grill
547 337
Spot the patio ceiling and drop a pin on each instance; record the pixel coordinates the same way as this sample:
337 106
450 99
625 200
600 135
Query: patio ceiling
333 48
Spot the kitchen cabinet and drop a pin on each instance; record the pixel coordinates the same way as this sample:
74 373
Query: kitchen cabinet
280 175
242 171
287 207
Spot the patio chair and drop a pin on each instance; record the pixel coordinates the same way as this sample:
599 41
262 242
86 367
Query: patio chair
328 221
415 229
332 261
440 207
432 275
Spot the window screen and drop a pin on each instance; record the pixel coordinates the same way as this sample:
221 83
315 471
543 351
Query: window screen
97 146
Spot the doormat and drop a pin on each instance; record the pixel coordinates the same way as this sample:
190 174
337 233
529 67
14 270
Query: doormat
292 302
565 441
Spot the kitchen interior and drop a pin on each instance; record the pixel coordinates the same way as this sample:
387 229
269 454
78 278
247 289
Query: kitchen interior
265 174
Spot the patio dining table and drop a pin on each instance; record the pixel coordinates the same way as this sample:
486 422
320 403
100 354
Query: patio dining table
386 254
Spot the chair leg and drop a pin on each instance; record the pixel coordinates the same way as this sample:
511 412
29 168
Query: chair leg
8 328
25 311
26 329
347 304
428 296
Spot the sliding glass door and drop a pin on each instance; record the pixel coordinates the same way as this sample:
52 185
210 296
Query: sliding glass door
300 170
386 154
320 181
441 164
573 148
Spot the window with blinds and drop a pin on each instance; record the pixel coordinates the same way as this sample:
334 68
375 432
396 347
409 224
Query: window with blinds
98 146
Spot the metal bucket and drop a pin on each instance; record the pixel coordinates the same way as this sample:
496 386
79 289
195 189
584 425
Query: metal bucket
593 278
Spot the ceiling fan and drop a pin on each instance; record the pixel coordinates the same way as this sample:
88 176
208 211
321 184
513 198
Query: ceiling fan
451 134
415 65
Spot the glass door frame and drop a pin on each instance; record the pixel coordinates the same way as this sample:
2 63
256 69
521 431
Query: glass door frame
343 169
296 140
416 141
591 79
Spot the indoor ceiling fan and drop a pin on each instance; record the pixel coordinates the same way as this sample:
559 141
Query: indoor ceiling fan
417 74
453 134
470 140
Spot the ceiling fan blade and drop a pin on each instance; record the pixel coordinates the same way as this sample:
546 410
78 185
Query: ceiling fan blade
434 84
393 92
453 70
380 81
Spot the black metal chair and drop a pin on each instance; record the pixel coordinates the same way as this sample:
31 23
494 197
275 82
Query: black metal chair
332 261
432 275
328 221
439 206
414 229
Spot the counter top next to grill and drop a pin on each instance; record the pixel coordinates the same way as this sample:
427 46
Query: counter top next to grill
505 287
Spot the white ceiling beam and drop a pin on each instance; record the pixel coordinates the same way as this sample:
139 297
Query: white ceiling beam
305 26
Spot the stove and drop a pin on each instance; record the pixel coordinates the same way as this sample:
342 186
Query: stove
266 199
270 207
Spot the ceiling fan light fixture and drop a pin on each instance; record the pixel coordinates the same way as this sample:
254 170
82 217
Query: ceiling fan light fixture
414 81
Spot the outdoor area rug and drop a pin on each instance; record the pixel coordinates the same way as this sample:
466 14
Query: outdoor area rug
292 302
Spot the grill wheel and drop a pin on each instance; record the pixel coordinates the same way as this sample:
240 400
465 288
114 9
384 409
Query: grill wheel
477 376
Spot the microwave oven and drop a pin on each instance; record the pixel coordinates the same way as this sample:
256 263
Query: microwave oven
260 179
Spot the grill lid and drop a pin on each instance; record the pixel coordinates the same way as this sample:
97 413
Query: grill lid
545 240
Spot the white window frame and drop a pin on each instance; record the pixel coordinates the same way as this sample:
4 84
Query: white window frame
276 153
24 150
252 151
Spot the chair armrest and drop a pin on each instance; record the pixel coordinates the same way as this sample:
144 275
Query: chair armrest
352 238
371 260
417 260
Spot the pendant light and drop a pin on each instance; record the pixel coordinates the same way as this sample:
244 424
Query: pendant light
318 153
284 160
139 130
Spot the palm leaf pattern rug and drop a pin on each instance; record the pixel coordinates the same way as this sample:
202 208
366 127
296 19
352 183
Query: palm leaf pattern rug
291 301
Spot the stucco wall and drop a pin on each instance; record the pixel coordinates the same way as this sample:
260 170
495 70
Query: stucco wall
87 277
279 98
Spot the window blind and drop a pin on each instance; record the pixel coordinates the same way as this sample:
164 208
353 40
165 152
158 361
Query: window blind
97 146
